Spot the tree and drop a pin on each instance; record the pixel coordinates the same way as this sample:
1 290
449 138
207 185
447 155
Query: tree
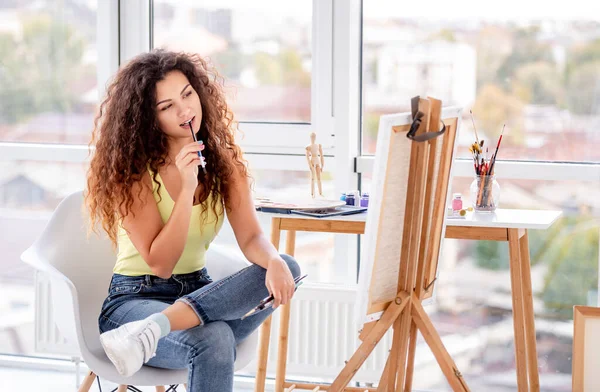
41 65
569 249
539 83
494 107
16 97
443 35
283 69
493 45
583 88
572 258
230 62
268 70
492 255
583 78
587 53
526 49
293 72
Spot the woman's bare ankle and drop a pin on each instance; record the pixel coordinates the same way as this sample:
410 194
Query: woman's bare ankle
182 316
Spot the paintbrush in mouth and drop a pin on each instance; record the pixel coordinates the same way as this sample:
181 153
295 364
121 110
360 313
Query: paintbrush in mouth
202 163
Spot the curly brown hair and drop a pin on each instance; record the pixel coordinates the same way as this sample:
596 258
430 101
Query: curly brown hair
128 139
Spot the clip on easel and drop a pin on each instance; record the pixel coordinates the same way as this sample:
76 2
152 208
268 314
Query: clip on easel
425 183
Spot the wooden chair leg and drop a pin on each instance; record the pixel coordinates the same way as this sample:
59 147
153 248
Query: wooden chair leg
122 388
160 388
87 382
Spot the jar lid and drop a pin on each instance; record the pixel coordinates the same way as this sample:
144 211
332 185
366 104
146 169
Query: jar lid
457 196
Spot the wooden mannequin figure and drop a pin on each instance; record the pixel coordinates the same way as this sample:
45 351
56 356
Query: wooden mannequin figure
314 157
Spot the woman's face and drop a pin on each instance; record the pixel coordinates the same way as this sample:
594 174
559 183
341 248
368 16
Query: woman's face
176 103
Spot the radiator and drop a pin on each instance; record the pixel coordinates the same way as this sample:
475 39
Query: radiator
323 335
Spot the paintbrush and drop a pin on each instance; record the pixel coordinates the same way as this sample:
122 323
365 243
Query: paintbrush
202 163
268 301
493 160
475 129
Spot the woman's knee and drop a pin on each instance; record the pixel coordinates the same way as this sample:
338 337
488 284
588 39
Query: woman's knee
292 264
217 343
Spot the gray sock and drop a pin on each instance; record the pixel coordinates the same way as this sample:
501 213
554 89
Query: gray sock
162 321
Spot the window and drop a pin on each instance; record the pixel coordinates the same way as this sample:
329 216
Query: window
263 49
48 95
29 192
537 73
48 79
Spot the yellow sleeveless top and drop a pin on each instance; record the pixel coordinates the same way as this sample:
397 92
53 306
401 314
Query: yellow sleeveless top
200 234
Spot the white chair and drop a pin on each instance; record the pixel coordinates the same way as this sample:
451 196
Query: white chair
80 270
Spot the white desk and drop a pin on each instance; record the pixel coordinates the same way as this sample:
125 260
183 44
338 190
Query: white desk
502 225
502 218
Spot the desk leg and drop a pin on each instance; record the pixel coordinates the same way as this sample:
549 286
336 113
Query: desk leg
532 360
517 304
265 328
263 355
284 323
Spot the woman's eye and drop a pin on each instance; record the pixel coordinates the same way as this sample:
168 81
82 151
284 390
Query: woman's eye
187 94
165 107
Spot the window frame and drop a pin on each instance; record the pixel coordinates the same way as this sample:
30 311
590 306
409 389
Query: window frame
336 108
124 29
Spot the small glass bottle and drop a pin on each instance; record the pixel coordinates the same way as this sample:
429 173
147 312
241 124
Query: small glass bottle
364 200
350 199
457 203
343 196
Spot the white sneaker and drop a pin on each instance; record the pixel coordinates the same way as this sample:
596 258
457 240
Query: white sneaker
131 345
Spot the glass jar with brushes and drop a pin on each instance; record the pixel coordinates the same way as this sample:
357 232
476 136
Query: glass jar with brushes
485 193
484 190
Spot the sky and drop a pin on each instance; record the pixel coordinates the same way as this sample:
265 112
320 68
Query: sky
488 10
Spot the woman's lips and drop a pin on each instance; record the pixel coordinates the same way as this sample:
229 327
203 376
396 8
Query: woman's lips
186 124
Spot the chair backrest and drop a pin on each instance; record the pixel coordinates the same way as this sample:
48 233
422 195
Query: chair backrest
86 263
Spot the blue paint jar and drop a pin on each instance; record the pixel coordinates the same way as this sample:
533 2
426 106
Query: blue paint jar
364 200
350 199
343 196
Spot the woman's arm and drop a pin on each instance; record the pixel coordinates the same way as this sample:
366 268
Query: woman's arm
253 242
160 245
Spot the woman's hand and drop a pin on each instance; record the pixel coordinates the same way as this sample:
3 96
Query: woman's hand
279 282
187 162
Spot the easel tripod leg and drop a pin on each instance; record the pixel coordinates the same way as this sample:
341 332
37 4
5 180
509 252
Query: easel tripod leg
433 340
403 332
410 366
390 374
383 381
368 345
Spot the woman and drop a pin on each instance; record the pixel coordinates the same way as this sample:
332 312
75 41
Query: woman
162 213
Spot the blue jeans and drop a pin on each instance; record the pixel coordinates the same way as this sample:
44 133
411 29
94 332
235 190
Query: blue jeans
208 350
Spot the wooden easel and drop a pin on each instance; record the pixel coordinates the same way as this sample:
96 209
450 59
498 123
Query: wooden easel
423 226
